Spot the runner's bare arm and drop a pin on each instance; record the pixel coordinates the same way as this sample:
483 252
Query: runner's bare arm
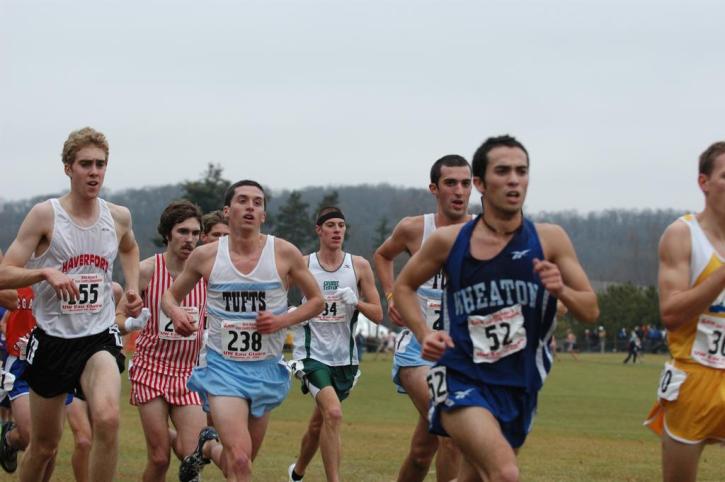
182 286
33 230
298 274
562 274
146 269
369 304
384 258
9 299
680 303
422 266
128 254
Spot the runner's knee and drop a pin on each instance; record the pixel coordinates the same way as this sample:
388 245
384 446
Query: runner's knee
239 462
421 454
23 437
82 443
106 423
508 472
159 460
332 415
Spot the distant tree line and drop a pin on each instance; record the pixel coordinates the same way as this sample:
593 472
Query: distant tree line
616 246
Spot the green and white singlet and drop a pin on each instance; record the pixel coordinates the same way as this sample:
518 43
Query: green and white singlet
330 336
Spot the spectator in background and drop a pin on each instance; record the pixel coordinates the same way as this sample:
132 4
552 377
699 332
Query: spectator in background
602 334
634 347
571 344
622 339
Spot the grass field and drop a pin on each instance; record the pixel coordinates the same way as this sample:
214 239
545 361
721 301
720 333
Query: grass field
589 428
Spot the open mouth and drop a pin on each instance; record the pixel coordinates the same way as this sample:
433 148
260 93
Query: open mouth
337 238
248 217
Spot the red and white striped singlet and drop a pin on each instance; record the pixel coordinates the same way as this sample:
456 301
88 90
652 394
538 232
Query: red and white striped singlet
158 348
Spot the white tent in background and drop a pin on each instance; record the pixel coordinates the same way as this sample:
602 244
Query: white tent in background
368 328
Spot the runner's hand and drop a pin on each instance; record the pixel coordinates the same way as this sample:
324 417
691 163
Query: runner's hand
268 322
394 314
183 322
435 343
348 296
550 276
22 346
64 287
134 303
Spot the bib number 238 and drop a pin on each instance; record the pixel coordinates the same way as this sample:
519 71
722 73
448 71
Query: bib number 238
242 342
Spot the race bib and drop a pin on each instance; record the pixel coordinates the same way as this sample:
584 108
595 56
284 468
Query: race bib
709 346
670 382
242 342
334 311
433 314
437 385
91 288
166 326
497 335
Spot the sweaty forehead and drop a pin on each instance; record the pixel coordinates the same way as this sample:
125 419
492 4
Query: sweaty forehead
512 156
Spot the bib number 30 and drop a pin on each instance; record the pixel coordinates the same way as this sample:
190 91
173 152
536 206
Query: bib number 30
709 346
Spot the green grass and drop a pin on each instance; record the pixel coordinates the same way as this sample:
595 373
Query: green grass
589 428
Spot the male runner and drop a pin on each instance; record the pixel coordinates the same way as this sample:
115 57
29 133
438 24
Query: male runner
504 275
163 359
242 375
450 183
69 245
15 435
214 227
690 411
325 353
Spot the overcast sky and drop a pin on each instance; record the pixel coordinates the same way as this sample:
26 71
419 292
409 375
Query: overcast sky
614 100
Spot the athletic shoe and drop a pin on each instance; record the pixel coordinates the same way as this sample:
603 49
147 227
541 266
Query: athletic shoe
8 455
291 469
191 466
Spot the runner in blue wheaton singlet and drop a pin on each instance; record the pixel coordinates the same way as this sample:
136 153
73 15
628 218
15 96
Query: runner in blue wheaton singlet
504 276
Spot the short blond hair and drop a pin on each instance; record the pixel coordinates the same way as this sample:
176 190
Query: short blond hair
81 138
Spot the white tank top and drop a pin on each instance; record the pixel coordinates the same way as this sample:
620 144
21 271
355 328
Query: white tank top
431 292
86 254
233 301
330 336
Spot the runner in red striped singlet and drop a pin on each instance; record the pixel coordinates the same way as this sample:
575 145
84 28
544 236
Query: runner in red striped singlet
163 360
